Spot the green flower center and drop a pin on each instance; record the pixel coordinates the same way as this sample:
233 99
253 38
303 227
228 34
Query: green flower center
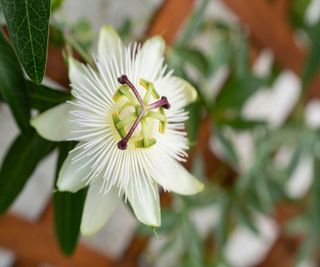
135 117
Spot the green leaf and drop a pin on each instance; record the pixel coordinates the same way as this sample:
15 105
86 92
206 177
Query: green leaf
28 24
221 55
227 146
194 57
12 86
19 163
242 82
68 209
239 123
297 12
42 97
245 217
236 92
194 122
194 23
193 246
313 60
56 4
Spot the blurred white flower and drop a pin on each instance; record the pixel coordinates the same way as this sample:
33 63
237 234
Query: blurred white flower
128 116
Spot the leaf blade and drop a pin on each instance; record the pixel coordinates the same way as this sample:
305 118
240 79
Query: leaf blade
20 162
12 86
68 208
28 25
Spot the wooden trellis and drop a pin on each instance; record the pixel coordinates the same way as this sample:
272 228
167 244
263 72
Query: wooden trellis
34 243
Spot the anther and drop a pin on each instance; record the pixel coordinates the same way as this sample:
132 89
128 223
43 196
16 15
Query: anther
166 103
123 79
163 102
122 144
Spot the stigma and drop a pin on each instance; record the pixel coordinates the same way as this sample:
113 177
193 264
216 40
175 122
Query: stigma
143 111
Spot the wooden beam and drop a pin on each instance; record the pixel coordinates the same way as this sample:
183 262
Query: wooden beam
36 242
169 19
271 30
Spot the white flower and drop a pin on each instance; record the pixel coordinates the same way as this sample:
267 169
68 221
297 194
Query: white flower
128 116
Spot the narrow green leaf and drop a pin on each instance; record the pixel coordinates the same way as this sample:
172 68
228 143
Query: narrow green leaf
236 91
313 60
220 57
194 57
193 123
227 146
28 24
20 162
68 209
297 12
12 86
239 123
56 4
42 97
194 23
245 217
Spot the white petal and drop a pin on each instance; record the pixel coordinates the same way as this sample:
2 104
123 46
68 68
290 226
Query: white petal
151 58
154 47
73 173
98 208
180 92
54 124
109 41
76 71
171 175
190 93
145 205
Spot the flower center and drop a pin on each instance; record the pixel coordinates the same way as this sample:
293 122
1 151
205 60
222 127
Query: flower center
135 112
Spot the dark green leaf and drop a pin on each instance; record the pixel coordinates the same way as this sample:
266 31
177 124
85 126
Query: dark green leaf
20 162
298 8
125 29
315 198
236 92
28 23
223 228
43 98
12 86
313 60
239 123
56 4
194 57
68 209
245 217
193 243
221 56
193 123
227 146
194 23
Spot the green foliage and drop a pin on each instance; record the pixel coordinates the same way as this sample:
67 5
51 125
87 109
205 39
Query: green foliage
192 56
297 12
68 209
313 60
12 86
19 163
56 4
42 97
28 23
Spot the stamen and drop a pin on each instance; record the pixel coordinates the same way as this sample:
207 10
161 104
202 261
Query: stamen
162 103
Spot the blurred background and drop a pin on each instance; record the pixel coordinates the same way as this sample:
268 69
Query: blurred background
254 138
